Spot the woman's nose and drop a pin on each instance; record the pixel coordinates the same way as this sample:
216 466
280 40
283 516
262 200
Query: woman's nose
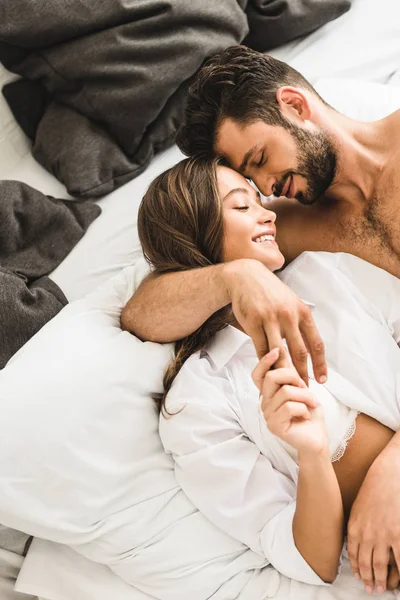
267 216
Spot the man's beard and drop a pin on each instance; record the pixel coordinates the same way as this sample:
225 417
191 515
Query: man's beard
317 159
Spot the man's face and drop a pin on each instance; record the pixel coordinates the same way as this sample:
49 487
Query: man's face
295 163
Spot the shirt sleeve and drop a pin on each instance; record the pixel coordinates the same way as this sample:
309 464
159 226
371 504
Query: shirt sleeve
227 478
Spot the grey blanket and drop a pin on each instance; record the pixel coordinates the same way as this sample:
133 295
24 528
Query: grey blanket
36 234
104 82
109 77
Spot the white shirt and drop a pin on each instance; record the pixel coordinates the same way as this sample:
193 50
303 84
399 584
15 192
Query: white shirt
357 312
230 466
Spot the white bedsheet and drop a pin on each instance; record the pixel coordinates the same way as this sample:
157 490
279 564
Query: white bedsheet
76 578
10 565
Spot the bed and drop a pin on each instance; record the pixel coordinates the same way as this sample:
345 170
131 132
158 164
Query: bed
354 62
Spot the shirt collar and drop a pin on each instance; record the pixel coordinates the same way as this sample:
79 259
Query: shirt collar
225 344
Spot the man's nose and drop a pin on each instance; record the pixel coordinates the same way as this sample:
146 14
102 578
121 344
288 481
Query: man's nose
265 184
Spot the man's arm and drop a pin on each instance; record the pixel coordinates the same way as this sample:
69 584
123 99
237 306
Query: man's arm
168 307
374 525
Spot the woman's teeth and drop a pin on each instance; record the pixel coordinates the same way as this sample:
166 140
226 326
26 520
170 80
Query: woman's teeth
265 238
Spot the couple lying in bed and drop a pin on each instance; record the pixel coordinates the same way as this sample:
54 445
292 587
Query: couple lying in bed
285 463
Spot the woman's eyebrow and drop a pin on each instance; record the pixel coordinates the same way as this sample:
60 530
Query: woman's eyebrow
238 190
241 190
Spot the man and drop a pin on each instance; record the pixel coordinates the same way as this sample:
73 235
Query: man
341 184
341 175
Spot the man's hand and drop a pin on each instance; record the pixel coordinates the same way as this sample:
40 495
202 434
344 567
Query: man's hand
269 311
374 524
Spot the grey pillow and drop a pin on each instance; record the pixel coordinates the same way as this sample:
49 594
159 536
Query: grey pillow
104 82
274 22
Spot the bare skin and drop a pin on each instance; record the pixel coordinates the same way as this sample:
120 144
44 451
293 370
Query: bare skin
359 212
367 443
368 228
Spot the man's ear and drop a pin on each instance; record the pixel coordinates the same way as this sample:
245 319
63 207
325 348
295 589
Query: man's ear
294 103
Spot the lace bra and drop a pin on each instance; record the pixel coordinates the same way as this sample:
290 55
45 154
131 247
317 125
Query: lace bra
340 422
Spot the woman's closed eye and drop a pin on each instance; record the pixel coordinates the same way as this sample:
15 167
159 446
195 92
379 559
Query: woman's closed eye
242 207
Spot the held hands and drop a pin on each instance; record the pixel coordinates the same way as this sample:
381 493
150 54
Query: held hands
290 410
269 311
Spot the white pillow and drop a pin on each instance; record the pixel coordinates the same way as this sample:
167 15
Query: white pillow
82 463
363 44
361 100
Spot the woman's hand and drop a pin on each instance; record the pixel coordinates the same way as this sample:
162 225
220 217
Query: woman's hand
290 410
272 312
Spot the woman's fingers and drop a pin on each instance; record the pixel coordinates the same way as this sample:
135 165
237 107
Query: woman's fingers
274 380
284 394
280 420
264 366
287 376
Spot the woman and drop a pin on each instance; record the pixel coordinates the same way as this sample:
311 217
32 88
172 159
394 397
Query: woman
260 461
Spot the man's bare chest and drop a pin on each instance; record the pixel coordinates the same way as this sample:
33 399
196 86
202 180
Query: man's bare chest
371 232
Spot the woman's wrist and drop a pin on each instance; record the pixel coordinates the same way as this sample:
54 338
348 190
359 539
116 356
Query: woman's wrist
312 456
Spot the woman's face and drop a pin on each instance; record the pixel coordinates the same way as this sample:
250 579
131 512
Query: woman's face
249 228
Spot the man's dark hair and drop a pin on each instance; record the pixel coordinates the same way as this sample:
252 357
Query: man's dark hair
238 83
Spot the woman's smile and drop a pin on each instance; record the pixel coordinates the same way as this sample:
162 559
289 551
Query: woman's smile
267 237
249 227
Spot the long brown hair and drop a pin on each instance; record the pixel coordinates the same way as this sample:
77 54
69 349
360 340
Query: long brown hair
180 225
